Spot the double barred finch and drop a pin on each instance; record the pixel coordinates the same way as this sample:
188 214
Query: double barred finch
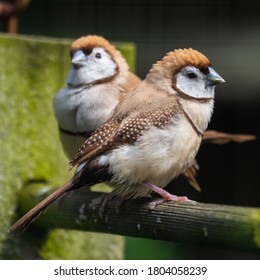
98 78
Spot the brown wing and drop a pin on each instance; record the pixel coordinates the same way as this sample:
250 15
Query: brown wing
121 130
100 140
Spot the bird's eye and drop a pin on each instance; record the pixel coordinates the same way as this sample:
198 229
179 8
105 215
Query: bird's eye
98 55
191 75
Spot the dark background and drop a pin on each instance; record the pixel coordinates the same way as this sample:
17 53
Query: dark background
228 32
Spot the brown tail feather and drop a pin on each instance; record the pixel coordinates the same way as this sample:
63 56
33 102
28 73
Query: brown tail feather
220 138
91 174
30 216
190 174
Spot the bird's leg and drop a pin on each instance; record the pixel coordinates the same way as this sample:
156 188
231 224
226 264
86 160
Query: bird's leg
166 196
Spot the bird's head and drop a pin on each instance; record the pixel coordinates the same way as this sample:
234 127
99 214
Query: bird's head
186 72
93 61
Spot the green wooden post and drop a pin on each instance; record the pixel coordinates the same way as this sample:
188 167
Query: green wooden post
32 70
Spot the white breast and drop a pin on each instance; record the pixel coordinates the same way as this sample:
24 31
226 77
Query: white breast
199 113
82 110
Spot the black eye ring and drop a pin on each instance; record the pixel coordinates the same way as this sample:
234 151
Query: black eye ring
191 75
98 55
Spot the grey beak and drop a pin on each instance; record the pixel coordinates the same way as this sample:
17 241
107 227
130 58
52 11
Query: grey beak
213 78
78 59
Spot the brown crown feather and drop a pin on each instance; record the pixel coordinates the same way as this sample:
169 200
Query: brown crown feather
175 60
89 42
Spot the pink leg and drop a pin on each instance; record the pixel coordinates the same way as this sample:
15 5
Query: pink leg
166 196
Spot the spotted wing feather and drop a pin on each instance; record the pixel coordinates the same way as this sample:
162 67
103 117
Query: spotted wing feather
122 130
100 141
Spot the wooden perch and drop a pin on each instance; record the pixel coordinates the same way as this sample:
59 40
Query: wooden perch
199 223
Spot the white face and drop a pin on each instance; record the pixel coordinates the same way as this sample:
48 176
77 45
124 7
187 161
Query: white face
88 68
194 83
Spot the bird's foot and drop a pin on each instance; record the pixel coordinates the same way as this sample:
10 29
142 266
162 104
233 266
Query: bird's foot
165 196
104 199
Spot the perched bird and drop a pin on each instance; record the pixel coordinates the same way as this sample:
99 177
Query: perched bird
98 78
152 136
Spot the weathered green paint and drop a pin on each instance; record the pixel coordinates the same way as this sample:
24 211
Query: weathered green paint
32 70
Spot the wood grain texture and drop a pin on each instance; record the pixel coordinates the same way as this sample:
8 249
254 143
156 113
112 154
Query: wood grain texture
220 226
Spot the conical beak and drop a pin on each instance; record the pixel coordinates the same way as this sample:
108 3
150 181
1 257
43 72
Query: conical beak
213 78
78 59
